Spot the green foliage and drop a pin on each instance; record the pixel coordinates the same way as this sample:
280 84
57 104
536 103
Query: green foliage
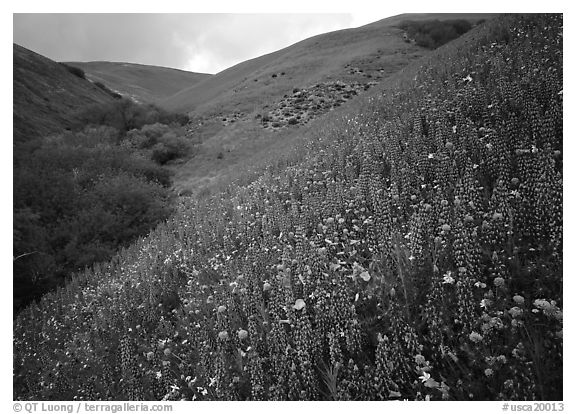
412 251
435 33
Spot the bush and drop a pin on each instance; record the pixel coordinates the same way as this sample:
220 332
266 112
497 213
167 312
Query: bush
169 147
75 71
147 136
108 90
125 115
434 33
77 198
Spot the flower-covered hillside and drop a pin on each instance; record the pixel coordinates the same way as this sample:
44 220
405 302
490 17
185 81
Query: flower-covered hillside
414 253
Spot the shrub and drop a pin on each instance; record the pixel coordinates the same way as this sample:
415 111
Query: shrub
434 33
169 147
125 115
61 222
75 71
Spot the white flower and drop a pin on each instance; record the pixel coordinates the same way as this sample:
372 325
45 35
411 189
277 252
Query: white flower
448 278
424 377
475 337
518 299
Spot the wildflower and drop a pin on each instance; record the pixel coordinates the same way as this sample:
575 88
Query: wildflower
499 282
448 278
488 372
420 360
476 337
223 335
424 377
515 312
150 356
516 323
167 351
446 227
542 304
518 299
221 309
365 276
242 334
267 286
299 304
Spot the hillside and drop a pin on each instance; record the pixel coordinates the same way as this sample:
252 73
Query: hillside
413 250
261 105
143 83
377 50
47 97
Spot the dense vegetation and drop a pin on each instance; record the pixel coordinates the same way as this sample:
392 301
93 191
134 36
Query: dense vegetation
78 196
432 34
76 71
415 252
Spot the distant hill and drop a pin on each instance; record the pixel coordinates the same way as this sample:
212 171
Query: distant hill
143 83
259 104
378 48
47 96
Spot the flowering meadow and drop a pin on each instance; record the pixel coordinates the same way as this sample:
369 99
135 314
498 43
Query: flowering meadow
413 252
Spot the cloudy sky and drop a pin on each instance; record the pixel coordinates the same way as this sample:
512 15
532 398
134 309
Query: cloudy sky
196 42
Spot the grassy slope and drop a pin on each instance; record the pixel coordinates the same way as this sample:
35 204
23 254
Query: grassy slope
47 96
378 49
306 62
425 228
144 83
